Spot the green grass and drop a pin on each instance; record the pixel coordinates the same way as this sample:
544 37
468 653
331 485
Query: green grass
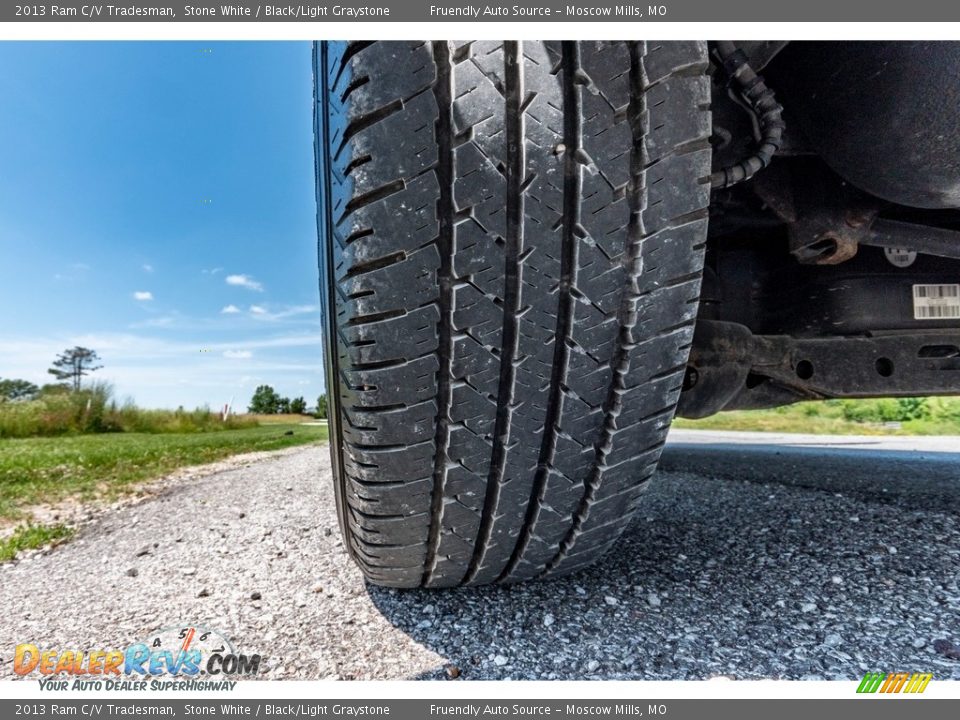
45 470
886 416
92 410
30 537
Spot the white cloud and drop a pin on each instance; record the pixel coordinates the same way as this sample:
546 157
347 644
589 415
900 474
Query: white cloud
237 354
143 295
140 346
290 311
76 272
147 267
212 271
230 310
159 322
244 281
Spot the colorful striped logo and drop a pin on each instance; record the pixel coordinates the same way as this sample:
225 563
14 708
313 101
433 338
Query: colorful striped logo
894 682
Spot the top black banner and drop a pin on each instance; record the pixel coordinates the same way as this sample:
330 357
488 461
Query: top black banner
537 11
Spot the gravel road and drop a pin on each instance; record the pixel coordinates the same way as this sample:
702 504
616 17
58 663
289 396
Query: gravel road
751 557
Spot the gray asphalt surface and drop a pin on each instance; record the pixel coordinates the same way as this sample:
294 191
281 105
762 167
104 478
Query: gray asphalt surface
747 560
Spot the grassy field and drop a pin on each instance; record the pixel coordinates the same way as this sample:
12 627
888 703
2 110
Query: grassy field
277 419
93 410
44 470
888 416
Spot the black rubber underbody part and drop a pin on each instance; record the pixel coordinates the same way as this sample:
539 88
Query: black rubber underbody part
511 241
765 108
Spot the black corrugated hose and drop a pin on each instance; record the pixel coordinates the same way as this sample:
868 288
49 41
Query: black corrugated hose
766 108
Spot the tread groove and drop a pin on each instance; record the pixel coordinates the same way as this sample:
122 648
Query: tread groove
368 198
513 123
443 90
353 48
627 319
572 129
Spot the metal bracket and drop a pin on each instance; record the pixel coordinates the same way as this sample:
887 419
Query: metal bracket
731 368
910 236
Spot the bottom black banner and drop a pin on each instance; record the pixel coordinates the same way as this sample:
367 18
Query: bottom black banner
875 708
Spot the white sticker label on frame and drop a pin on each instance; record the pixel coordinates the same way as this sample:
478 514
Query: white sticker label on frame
936 302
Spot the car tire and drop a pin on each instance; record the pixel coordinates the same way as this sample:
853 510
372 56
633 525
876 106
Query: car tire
511 246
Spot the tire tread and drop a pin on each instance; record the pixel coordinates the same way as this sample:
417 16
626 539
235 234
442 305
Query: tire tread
512 234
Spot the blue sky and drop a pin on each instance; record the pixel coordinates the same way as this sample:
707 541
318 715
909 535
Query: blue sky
157 205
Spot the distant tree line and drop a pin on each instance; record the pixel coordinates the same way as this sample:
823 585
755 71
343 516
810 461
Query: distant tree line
69 368
74 364
267 401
